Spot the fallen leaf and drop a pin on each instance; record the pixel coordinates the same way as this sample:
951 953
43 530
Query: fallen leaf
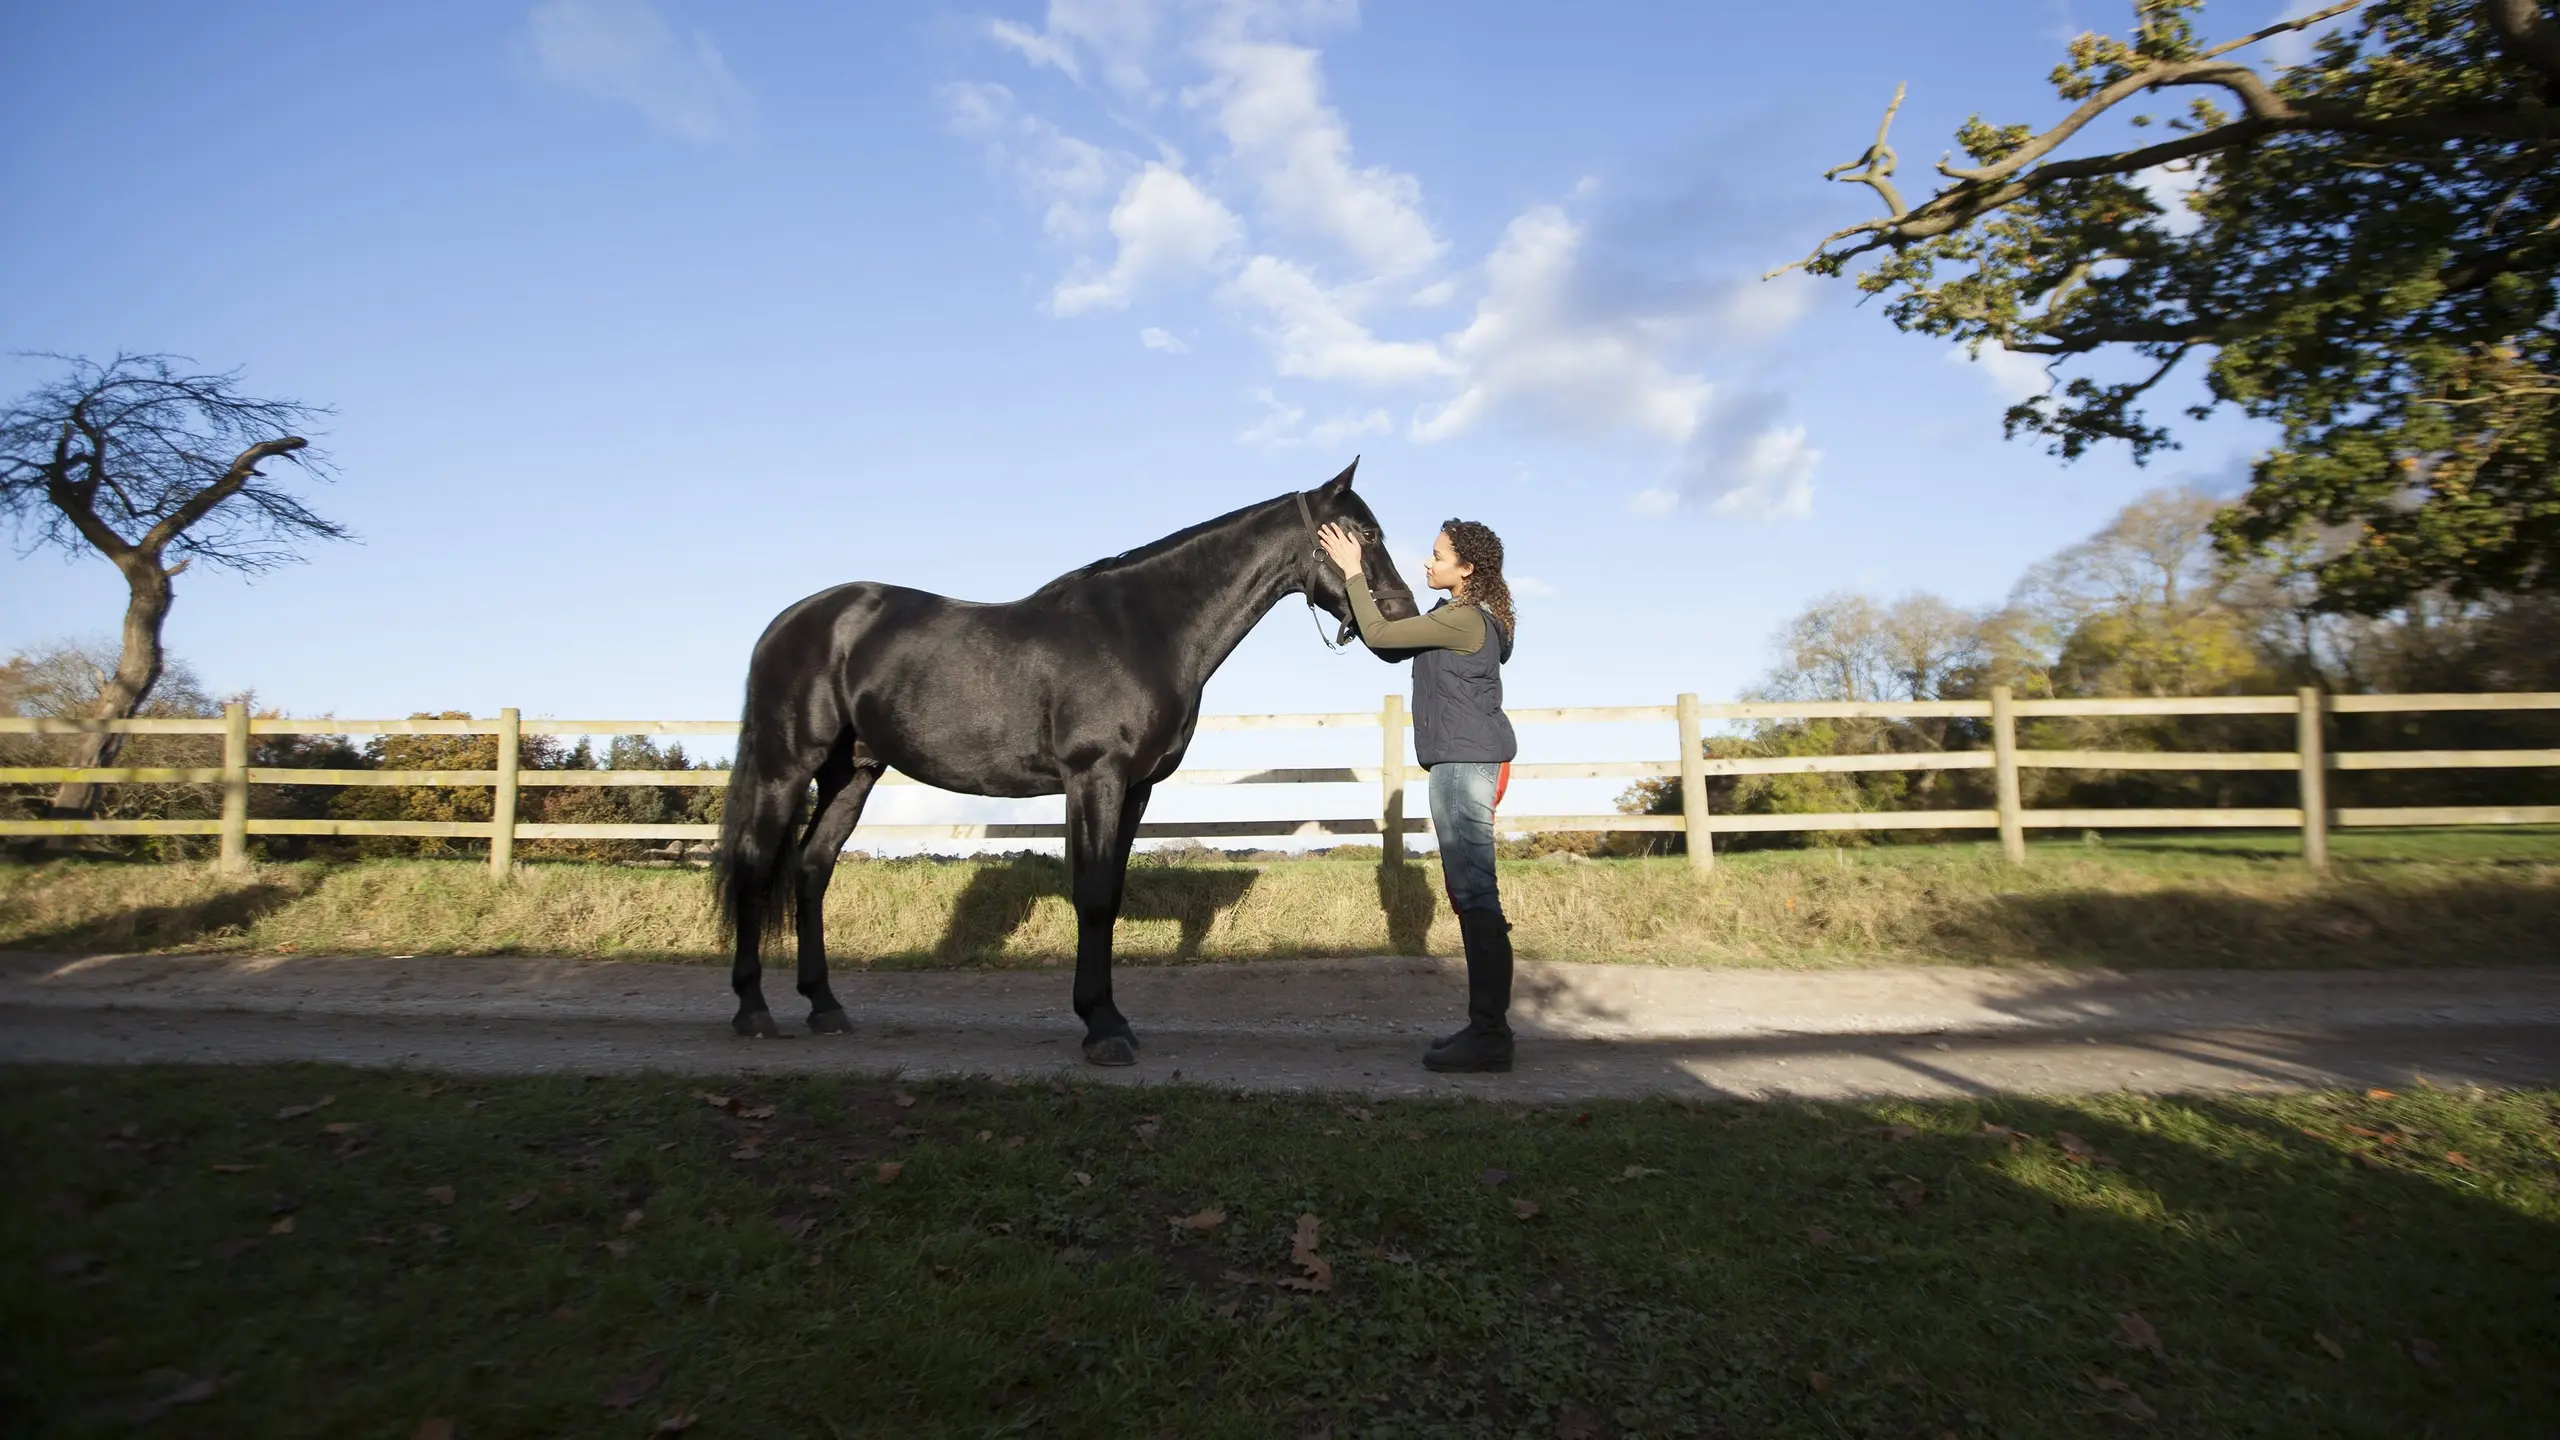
1492 1176
233 1169
631 1220
1638 1172
2110 1384
629 1392
1908 1192
1145 1130
1416 1136
342 1127
441 1194
678 1423
2138 1408
822 1192
433 1231
1358 1113
1209 1219
1318 1278
1082 1179
2425 1353
234 1248
716 1102
1237 1277
71 1264
2136 1333
2457 1160
986 1135
521 1201
1524 1209
1894 1132
1012 1142
2003 1132
2380 1094
2355 1224
1818 1235
296 1112
1817 1382
747 1151
902 1099
2079 1151
760 1112
437 1429
281 1227
2336 1350
905 1132
887 1171
1226 1311
1582 1119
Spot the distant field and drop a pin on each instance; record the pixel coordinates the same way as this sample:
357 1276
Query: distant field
2482 897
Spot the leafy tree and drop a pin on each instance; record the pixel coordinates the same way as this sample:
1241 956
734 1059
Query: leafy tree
2369 258
153 467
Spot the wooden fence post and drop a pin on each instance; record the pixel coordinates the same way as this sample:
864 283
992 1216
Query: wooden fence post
2004 761
2313 755
1693 789
502 814
1391 781
235 789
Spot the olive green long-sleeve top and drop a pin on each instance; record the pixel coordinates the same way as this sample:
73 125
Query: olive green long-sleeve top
1448 627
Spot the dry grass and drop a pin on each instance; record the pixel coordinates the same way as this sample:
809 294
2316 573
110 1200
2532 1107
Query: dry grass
2436 904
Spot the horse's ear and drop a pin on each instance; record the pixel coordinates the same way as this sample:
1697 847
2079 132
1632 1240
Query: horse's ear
1340 484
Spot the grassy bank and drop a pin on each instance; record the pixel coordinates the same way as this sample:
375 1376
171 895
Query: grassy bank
555 1257
2418 899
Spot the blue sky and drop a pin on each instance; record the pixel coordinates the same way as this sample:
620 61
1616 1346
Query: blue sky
643 318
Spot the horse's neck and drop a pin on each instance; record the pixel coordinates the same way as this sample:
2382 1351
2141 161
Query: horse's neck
1256 567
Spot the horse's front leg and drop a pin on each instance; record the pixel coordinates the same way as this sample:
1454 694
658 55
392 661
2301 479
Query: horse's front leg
1102 823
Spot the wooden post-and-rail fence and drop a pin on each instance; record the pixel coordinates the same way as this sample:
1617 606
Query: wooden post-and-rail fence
2309 760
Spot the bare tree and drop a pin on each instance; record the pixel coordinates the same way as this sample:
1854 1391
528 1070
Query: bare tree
154 467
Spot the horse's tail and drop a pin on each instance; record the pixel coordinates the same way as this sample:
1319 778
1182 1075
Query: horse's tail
757 867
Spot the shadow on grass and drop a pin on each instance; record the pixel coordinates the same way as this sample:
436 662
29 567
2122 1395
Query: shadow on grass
152 927
2464 922
998 901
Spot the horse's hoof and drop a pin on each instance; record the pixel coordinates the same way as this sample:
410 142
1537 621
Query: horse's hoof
1111 1050
756 1025
830 1022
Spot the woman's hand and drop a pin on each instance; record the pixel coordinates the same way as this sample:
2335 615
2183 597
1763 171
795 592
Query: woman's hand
1341 549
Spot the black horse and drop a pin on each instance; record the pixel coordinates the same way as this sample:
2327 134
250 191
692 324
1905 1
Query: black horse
1089 686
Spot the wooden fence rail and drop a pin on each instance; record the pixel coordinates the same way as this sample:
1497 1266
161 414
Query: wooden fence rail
2308 760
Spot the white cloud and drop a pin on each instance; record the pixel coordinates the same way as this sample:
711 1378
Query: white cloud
1760 310
1281 425
1533 588
2169 189
1530 348
1167 229
623 52
1157 338
1314 333
1069 178
1267 100
1119 34
1772 477
1040 48
2014 376
1654 500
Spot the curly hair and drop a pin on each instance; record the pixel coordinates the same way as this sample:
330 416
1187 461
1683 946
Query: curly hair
1478 546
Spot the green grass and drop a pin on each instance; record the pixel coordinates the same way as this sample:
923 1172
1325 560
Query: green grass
1671 1282
2413 899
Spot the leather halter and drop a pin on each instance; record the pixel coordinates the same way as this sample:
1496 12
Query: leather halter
1311 557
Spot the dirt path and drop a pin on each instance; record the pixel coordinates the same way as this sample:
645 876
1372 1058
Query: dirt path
1355 1026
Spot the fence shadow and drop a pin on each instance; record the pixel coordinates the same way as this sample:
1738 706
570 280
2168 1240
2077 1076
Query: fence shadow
148 927
1409 900
998 901
2467 921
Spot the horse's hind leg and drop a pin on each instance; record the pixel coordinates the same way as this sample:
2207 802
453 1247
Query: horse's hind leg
844 783
1102 823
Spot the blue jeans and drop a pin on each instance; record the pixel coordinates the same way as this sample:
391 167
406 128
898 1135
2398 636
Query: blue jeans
1462 818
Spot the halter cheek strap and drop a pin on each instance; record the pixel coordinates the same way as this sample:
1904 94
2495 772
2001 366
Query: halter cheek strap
1313 554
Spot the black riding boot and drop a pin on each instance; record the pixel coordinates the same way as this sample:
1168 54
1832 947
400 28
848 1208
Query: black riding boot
1486 1042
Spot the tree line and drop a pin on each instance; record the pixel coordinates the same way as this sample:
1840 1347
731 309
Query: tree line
2147 606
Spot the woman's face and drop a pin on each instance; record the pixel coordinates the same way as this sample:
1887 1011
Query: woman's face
1444 570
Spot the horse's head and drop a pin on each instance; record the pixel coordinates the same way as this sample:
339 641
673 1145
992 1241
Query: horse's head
1333 503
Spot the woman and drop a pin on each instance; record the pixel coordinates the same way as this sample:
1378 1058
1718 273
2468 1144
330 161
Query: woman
1462 737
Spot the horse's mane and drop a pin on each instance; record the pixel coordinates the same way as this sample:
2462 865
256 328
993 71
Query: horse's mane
1145 554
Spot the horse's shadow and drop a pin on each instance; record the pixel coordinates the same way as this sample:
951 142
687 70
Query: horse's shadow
998 901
